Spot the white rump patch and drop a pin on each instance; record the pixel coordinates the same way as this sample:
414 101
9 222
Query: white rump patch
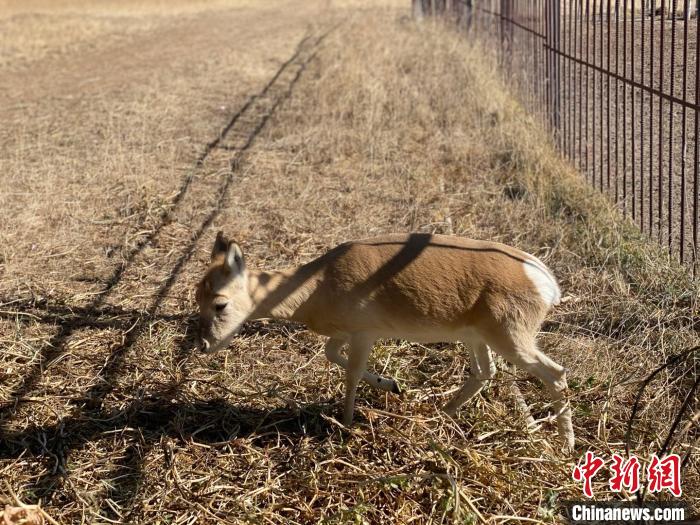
543 280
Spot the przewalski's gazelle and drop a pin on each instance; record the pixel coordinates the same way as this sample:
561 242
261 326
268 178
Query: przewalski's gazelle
418 287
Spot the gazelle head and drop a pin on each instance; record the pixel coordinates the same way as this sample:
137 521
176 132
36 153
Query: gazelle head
222 295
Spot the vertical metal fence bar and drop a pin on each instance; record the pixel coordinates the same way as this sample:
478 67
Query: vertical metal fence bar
502 34
578 82
546 57
548 63
509 50
672 79
541 83
532 5
651 124
511 45
593 96
530 37
535 79
607 96
596 95
684 123
554 6
558 57
661 120
520 43
617 100
509 36
555 41
512 51
592 92
528 56
602 97
696 159
535 55
561 71
581 165
564 92
624 112
561 50
641 122
575 68
547 67
570 86
418 9
536 31
473 17
533 32
552 67
588 92
545 35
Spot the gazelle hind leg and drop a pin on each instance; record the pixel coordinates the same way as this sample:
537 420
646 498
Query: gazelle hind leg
483 369
332 350
523 352
358 353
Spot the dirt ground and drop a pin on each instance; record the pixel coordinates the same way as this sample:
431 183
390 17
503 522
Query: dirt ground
134 131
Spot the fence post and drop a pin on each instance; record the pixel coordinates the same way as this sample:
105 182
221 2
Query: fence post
553 40
418 11
467 10
506 33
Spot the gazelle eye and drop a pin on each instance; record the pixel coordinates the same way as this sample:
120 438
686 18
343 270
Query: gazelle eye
221 307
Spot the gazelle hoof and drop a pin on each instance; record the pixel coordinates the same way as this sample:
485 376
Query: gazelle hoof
568 444
450 410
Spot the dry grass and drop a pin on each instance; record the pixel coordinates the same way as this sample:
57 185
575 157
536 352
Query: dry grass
49 29
382 126
117 7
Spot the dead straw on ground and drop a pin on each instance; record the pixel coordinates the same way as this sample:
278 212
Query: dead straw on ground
393 126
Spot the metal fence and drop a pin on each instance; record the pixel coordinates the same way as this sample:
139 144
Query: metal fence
617 82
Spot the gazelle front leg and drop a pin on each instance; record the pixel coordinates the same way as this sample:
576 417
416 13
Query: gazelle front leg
358 353
333 347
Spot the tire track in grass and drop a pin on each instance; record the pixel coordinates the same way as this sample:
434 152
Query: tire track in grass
91 421
55 347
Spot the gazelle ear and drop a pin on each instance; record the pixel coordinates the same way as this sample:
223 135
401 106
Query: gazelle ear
234 258
220 245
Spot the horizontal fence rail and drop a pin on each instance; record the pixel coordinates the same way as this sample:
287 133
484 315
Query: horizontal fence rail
617 83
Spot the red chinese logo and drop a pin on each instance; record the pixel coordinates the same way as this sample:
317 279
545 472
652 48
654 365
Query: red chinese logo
587 471
665 474
625 474
661 473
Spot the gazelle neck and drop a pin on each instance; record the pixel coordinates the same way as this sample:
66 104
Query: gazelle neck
280 294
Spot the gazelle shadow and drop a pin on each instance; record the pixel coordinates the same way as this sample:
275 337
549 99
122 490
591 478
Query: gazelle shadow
210 422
